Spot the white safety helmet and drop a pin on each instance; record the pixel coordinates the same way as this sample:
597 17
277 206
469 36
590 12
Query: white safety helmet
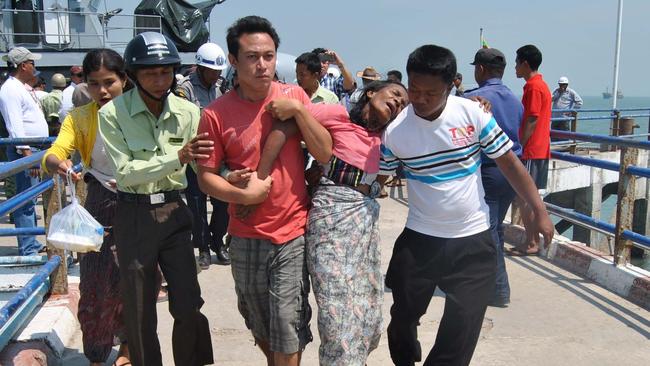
285 68
563 80
210 55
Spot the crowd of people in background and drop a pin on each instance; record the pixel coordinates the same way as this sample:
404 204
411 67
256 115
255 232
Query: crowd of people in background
156 147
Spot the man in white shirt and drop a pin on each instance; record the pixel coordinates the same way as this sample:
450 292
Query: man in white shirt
24 118
447 241
564 98
76 77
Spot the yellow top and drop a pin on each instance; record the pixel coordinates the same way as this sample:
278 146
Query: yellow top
142 148
78 132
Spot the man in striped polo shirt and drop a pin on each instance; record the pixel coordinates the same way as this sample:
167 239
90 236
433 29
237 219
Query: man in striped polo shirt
447 241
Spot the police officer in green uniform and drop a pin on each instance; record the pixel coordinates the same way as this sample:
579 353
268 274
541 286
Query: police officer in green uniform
150 137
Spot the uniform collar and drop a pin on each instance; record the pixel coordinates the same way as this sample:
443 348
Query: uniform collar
491 81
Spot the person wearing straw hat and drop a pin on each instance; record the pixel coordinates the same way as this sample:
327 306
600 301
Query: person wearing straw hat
23 118
368 75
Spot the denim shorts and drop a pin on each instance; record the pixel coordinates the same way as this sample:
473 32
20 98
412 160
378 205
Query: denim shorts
272 286
538 170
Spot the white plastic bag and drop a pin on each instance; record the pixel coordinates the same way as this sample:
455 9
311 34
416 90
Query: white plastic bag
73 228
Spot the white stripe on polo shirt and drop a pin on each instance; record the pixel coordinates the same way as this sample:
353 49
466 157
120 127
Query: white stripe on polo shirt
441 159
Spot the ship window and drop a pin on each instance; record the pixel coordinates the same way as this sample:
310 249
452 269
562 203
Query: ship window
26 23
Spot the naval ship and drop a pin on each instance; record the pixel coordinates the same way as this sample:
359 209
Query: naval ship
64 30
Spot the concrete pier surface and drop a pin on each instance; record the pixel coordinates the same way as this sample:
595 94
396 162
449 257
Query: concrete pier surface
555 317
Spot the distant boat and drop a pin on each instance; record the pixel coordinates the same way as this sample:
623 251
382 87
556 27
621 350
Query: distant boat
607 94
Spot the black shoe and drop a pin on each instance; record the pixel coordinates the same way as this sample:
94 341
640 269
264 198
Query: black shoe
204 260
222 255
500 302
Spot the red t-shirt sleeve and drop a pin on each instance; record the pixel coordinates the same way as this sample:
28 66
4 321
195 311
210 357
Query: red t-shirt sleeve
535 102
210 124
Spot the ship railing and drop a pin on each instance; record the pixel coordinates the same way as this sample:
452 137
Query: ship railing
624 237
67 36
51 276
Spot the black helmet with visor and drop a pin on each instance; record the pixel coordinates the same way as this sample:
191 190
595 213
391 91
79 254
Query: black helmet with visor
151 49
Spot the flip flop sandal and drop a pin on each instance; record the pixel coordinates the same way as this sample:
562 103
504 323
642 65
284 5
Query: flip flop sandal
513 252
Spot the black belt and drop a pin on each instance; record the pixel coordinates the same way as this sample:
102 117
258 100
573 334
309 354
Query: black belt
153 199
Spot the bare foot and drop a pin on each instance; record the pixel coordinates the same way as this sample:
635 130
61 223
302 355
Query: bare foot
123 356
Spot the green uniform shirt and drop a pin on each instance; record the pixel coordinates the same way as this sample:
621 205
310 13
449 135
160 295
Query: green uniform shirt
324 95
51 105
143 149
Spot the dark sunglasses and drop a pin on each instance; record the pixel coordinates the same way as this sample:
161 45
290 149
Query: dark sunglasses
79 75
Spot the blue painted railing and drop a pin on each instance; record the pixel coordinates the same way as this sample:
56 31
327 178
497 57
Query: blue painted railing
613 113
35 141
637 239
21 305
611 140
598 225
22 231
603 164
18 165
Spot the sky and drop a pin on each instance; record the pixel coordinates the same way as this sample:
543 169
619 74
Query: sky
576 37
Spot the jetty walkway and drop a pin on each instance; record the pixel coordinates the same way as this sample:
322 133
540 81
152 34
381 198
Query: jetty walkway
554 318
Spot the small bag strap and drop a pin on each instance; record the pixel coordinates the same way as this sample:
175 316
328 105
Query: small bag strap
68 177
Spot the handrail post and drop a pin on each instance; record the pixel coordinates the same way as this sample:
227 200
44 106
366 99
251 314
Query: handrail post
624 206
615 128
574 128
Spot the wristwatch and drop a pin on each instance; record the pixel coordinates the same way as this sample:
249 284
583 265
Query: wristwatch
375 190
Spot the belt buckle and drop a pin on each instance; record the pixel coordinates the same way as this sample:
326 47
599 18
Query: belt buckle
157 198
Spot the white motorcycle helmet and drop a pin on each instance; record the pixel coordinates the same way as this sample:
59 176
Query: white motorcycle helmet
210 55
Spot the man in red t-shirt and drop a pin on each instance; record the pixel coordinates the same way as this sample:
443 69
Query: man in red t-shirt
267 246
534 133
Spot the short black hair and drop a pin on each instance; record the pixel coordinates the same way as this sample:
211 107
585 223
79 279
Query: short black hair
433 60
395 73
319 50
530 54
248 25
106 57
310 60
40 81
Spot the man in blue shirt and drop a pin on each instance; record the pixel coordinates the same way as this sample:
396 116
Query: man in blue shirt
489 65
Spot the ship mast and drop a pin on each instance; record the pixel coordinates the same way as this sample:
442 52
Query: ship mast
617 53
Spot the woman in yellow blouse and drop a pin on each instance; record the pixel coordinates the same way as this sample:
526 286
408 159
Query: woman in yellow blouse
100 305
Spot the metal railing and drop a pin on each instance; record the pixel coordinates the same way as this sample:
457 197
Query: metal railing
624 237
68 37
615 116
20 307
